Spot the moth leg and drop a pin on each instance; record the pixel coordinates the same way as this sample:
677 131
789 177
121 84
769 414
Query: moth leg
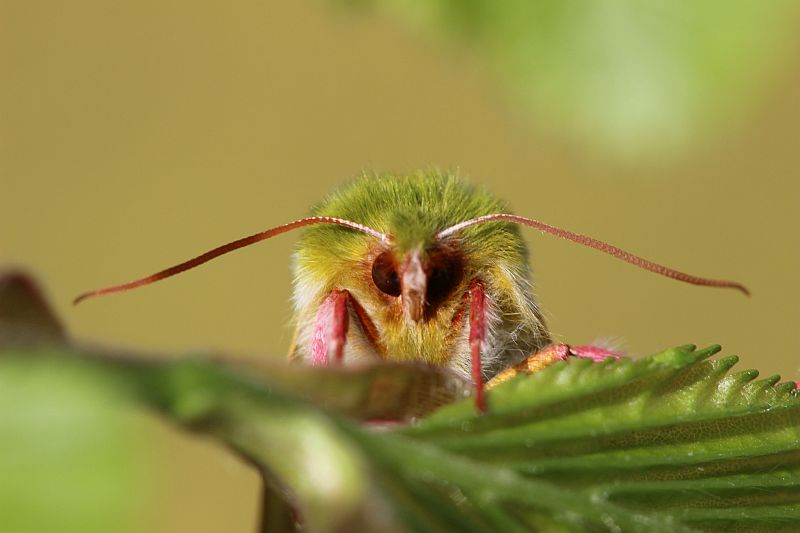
595 353
533 363
330 329
549 355
477 334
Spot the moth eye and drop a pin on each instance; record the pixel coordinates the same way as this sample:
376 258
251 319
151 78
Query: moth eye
384 274
447 271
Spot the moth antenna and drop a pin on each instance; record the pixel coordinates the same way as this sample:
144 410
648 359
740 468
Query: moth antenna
597 245
229 247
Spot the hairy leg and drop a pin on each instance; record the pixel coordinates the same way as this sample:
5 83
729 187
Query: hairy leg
477 334
330 329
549 355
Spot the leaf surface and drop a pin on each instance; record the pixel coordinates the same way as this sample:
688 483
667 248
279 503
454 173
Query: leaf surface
672 442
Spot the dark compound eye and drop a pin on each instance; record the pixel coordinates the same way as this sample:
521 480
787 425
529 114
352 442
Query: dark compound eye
384 274
446 272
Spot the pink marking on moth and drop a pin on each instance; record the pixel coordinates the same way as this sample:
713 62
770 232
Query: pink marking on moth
319 348
330 329
477 334
595 353
561 351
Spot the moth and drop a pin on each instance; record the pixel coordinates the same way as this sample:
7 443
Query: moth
422 267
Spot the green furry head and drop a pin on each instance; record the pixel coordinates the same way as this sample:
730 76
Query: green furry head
412 210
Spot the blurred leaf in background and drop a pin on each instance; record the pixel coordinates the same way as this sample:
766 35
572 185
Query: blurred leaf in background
71 456
71 459
633 78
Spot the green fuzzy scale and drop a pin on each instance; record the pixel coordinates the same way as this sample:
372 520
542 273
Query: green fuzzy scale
412 209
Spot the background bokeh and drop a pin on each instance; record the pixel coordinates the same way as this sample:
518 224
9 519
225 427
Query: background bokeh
137 134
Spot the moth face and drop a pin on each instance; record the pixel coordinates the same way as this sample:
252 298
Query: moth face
420 281
404 304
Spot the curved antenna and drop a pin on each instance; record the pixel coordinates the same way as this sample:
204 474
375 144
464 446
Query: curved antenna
597 245
229 247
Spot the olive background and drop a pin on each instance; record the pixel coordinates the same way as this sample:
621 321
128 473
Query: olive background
134 135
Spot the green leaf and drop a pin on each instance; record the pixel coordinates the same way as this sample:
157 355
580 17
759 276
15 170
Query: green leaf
71 459
629 77
70 455
674 436
671 442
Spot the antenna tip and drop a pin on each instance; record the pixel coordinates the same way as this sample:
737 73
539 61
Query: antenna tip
744 290
81 297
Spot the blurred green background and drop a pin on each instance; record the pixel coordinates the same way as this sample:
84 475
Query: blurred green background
136 134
